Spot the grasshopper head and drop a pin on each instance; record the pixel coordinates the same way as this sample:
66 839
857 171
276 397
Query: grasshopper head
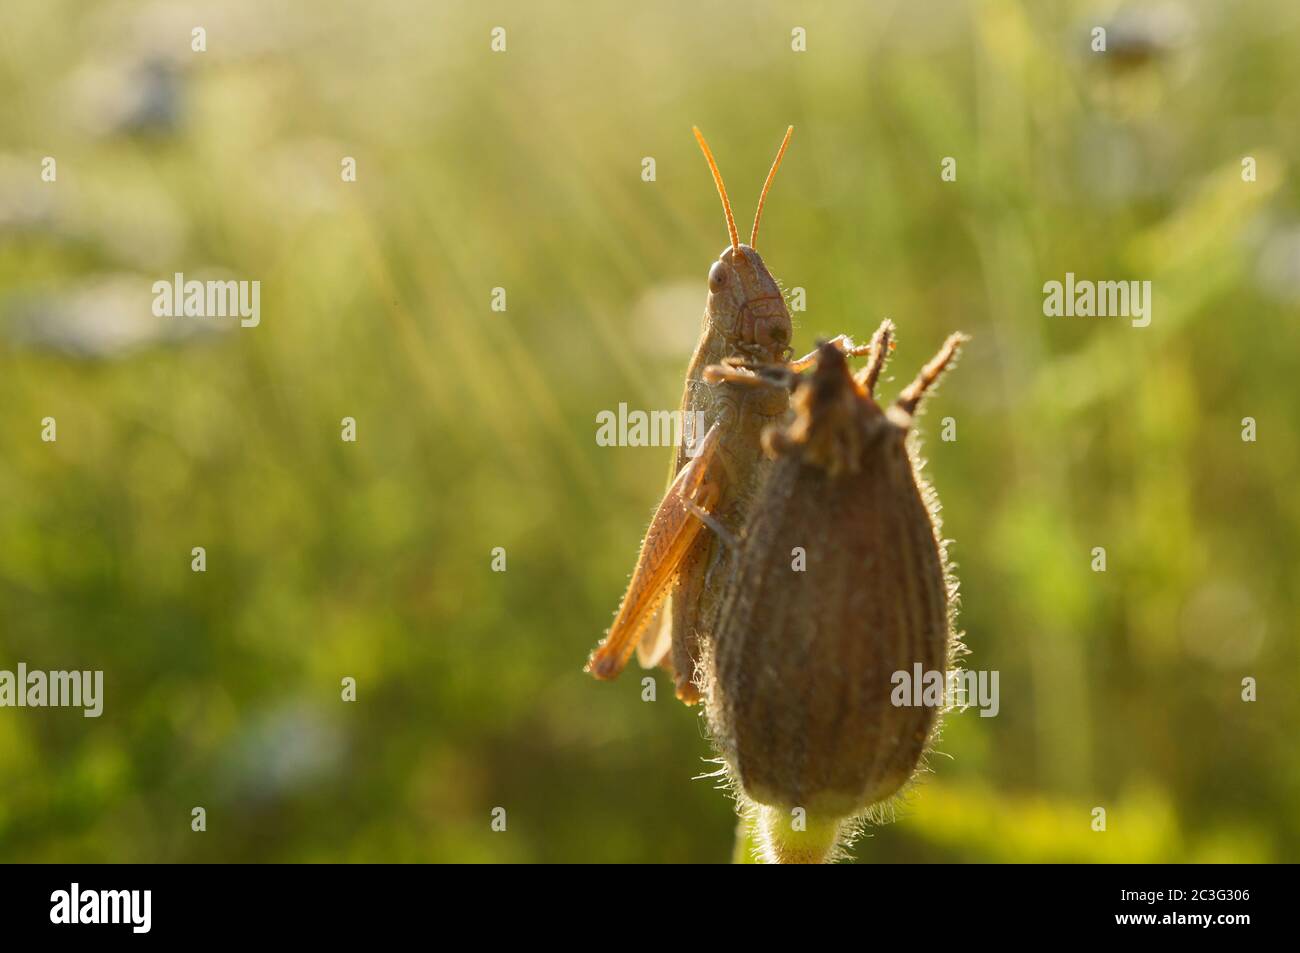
745 305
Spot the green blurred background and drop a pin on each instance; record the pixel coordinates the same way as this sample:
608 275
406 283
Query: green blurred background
476 428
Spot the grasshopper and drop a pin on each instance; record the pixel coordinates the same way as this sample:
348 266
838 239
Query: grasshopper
676 585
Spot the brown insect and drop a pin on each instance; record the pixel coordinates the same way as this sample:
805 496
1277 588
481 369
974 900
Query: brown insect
674 585
801 663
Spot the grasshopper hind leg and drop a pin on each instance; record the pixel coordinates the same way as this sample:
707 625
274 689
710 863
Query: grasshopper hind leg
668 545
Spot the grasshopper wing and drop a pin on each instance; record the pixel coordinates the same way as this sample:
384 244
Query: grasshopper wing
652 651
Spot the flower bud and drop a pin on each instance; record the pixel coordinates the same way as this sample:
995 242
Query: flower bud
840 582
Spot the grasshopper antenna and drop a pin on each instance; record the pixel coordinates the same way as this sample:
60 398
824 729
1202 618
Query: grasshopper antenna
780 154
722 189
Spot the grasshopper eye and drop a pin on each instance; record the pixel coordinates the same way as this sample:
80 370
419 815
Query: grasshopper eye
717 276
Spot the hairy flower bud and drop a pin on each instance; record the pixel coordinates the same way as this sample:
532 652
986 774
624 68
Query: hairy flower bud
840 582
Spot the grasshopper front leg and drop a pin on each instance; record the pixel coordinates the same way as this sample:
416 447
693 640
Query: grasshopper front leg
785 374
667 544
